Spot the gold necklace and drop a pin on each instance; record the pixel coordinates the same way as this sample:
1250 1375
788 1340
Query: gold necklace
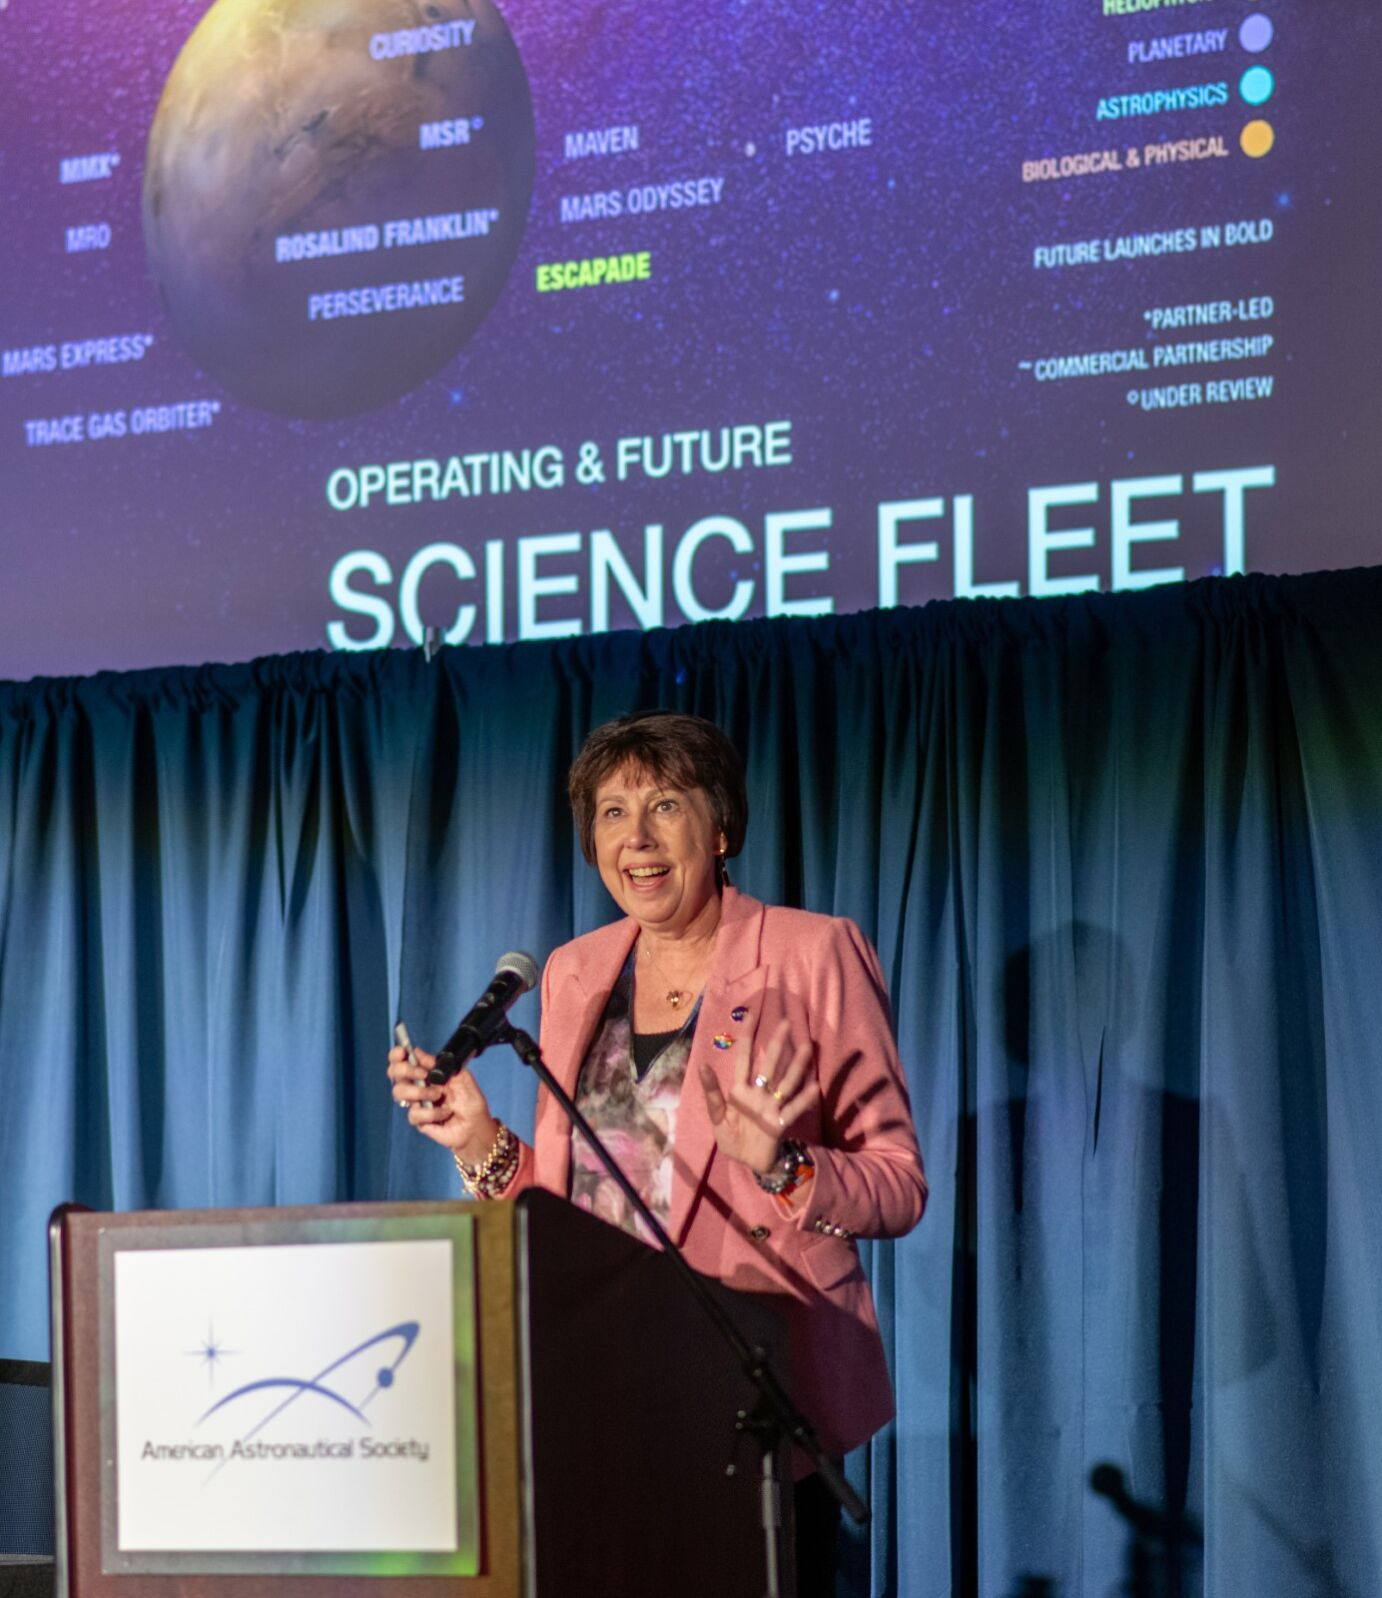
675 997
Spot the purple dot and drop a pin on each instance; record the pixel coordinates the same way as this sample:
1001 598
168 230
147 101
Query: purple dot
1256 32
385 1377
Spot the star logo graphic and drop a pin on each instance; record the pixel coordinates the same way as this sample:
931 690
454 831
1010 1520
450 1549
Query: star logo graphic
211 1353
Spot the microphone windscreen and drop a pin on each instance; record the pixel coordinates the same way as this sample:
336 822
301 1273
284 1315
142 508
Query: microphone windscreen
521 965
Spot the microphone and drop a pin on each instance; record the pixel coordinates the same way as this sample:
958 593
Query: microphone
513 976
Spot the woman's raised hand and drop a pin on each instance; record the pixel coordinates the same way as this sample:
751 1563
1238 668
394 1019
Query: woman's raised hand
765 1098
455 1115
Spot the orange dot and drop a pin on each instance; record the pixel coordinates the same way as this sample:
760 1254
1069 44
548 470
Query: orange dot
1257 138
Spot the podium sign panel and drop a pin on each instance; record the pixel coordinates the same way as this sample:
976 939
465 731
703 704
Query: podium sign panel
290 1397
485 1400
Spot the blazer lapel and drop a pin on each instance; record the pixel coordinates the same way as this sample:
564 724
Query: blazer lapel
736 983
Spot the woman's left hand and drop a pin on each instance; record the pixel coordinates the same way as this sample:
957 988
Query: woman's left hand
764 1099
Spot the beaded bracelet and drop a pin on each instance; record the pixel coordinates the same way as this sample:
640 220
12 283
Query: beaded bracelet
493 1174
793 1170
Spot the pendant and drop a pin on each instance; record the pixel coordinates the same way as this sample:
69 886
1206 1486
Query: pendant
674 998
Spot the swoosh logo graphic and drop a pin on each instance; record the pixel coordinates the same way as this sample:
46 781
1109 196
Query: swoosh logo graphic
405 1334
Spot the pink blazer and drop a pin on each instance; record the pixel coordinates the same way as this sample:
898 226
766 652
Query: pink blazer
822 973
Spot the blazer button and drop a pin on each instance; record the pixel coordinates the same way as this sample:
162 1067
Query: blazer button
758 1233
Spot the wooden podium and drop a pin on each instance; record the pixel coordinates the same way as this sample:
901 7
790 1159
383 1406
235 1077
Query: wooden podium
603 1413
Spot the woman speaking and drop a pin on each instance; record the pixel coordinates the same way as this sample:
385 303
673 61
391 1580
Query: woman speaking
738 1061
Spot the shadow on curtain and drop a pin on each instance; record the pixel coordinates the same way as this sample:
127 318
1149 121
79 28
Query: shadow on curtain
1122 859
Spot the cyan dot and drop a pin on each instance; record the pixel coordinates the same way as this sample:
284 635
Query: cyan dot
1256 85
1256 32
386 1377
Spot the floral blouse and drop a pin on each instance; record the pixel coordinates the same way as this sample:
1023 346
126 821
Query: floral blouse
635 1117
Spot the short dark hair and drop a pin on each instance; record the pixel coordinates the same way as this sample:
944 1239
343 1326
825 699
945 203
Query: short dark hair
681 750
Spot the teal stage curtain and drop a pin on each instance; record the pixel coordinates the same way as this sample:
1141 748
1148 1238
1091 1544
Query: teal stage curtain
1122 860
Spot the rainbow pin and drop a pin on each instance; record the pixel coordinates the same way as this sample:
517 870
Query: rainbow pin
722 1040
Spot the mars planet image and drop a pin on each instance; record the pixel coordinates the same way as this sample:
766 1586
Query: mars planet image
334 193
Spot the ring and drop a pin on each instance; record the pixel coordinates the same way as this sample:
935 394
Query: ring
762 1082
775 1094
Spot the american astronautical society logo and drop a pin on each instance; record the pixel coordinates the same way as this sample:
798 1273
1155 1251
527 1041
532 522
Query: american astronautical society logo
300 1396
351 1382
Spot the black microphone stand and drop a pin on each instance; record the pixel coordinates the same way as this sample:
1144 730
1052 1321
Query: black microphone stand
774 1416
